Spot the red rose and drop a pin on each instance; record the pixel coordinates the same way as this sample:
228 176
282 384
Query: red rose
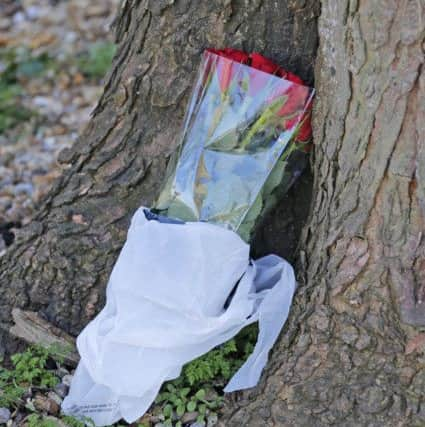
305 131
233 54
257 81
259 62
226 69
289 76
297 94
236 55
297 97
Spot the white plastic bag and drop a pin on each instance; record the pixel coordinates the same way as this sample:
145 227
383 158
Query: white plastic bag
165 307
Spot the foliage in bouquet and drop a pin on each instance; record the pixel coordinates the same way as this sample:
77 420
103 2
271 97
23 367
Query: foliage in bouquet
244 141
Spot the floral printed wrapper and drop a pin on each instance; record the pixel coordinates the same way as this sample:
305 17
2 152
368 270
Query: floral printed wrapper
244 141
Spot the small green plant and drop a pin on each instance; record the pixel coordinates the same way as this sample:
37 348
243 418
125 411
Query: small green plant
29 369
74 422
35 420
218 363
193 391
97 60
11 113
10 391
177 401
221 363
19 65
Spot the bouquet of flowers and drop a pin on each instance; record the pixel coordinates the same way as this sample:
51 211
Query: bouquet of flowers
184 282
245 138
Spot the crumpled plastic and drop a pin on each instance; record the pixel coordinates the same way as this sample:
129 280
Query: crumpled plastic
168 302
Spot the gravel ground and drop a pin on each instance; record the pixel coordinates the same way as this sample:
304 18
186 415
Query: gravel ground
55 50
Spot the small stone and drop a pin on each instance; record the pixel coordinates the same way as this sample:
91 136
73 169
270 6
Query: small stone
17 419
78 79
18 18
212 420
61 390
45 404
42 39
97 10
55 397
211 395
4 40
29 404
67 380
4 415
189 417
23 187
9 9
33 12
5 24
61 372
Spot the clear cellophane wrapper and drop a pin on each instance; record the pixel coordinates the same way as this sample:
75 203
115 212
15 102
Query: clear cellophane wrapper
244 141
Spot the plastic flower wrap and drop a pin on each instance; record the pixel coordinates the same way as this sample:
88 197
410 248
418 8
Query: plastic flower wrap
245 137
244 140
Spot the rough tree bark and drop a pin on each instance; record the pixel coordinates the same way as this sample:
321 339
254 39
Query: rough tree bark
353 352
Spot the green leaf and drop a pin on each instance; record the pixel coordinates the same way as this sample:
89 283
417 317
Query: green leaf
200 394
180 410
170 387
179 210
168 410
184 392
191 406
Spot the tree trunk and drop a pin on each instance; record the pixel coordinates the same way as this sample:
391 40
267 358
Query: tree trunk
60 264
353 351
